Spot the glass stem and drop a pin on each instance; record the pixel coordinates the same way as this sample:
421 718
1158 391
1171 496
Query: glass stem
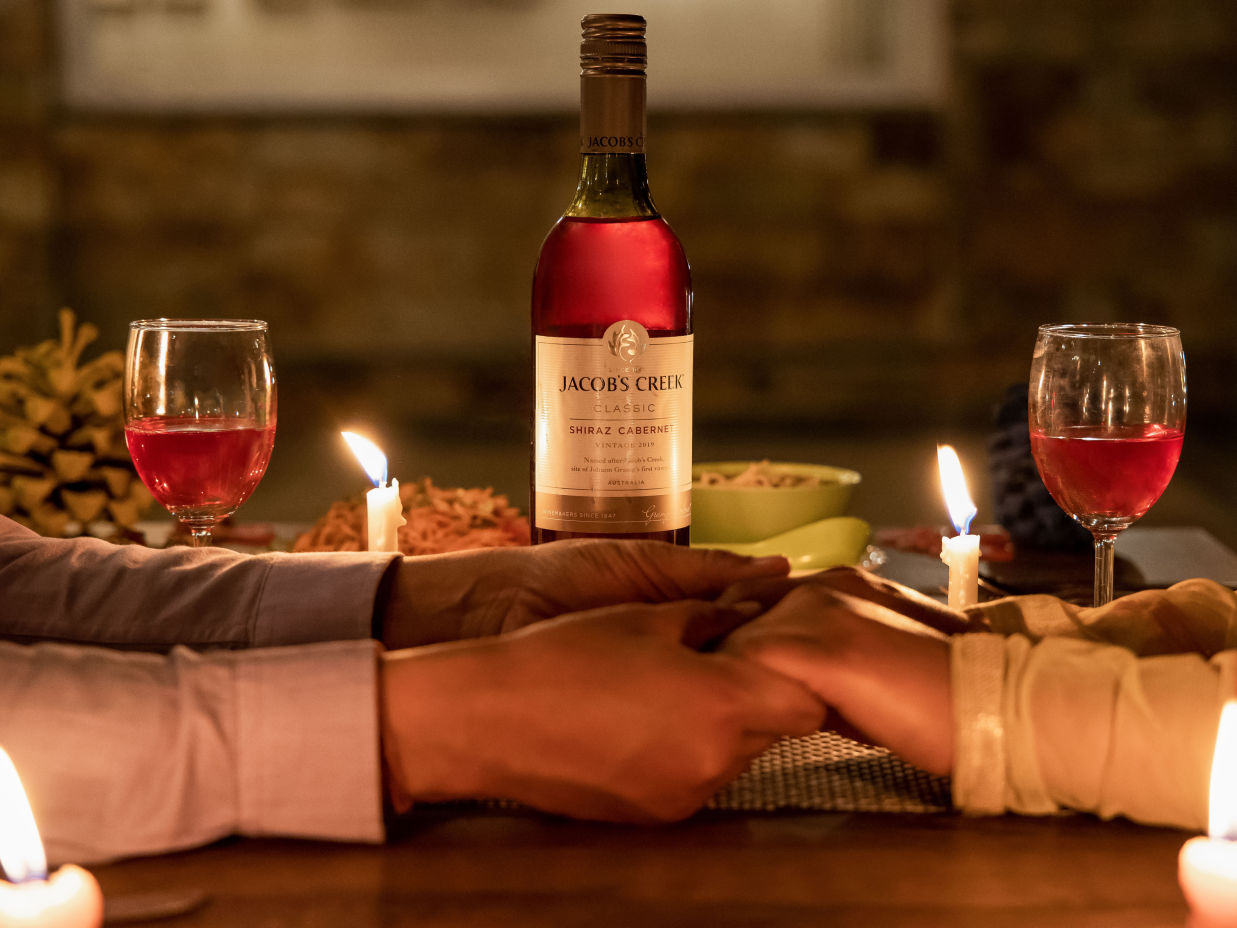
1105 548
199 536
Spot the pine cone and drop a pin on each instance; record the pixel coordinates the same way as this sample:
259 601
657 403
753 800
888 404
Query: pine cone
63 460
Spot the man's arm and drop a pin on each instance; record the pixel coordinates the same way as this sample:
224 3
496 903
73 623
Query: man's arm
125 754
89 591
610 714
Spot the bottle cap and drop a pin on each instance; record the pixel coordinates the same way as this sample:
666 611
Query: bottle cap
613 43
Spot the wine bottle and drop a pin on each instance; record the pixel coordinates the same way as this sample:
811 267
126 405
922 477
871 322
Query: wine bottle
612 325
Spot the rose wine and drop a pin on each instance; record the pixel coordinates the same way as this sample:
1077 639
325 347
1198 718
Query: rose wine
199 468
1114 474
612 326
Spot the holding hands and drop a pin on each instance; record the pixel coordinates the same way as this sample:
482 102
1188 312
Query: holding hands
884 681
568 696
471 594
606 714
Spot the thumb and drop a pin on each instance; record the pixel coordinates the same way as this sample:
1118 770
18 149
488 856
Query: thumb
703 625
676 571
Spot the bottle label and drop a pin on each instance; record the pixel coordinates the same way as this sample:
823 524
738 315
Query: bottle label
612 114
612 445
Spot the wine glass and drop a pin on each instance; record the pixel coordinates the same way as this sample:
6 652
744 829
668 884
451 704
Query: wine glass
1107 417
199 414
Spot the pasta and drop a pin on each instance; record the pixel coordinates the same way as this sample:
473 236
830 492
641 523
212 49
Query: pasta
438 519
758 474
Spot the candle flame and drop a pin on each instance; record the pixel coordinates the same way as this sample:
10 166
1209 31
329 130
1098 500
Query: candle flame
953 484
21 850
1222 818
373 461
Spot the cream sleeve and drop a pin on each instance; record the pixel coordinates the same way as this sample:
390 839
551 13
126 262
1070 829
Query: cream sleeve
124 753
1072 721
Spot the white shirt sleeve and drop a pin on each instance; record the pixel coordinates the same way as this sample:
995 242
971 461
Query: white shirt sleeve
1073 721
124 754
90 591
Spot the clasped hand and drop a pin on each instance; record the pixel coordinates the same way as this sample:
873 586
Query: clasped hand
580 686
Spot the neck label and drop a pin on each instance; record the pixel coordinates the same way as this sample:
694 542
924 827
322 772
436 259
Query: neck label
612 114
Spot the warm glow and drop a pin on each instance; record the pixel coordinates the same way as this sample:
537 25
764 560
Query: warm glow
370 455
21 849
953 484
1222 819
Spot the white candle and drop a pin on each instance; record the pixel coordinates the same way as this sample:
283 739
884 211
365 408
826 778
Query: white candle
384 514
383 509
69 898
1207 867
961 552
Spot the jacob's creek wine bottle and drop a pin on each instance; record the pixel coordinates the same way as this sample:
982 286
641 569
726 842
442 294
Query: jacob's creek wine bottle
612 325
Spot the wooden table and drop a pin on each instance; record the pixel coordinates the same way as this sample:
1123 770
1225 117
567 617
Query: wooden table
471 867
719 869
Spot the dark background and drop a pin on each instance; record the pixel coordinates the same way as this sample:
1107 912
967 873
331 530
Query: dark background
867 282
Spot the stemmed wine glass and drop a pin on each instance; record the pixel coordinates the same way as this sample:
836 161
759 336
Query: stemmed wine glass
199 404
1107 418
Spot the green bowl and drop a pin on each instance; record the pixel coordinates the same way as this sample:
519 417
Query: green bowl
724 513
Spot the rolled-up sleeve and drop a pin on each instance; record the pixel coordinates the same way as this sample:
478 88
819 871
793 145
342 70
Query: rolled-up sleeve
125 754
1072 722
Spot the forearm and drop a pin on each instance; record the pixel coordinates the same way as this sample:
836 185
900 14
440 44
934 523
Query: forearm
126 754
89 591
445 597
1191 617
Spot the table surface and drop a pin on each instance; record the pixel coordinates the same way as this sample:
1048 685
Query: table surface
476 868
471 866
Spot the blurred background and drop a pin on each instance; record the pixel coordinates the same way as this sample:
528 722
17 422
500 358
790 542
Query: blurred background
880 199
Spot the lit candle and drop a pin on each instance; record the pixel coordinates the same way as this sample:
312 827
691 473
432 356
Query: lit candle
1207 867
383 509
69 898
961 552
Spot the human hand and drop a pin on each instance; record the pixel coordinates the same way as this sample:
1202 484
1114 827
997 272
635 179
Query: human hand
488 591
860 585
609 714
888 685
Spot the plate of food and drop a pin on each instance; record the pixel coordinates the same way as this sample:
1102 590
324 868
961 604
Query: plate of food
766 507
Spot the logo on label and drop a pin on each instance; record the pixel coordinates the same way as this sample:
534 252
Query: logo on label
627 340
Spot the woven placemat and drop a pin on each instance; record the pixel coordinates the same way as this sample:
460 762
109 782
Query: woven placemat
828 772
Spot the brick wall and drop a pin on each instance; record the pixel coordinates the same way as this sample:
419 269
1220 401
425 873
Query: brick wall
857 268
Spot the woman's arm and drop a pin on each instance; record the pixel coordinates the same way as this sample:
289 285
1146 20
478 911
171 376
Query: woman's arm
1021 725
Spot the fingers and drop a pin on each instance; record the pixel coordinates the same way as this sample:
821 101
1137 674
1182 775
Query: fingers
663 571
860 585
903 600
768 591
693 623
761 700
709 627
778 705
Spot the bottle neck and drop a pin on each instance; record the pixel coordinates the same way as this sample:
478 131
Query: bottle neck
613 185
614 181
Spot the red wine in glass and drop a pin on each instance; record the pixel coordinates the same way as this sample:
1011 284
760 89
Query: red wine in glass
200 410
202 468
1106 412
1115 473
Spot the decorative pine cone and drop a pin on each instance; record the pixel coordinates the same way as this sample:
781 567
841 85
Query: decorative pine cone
1024 506
64 464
